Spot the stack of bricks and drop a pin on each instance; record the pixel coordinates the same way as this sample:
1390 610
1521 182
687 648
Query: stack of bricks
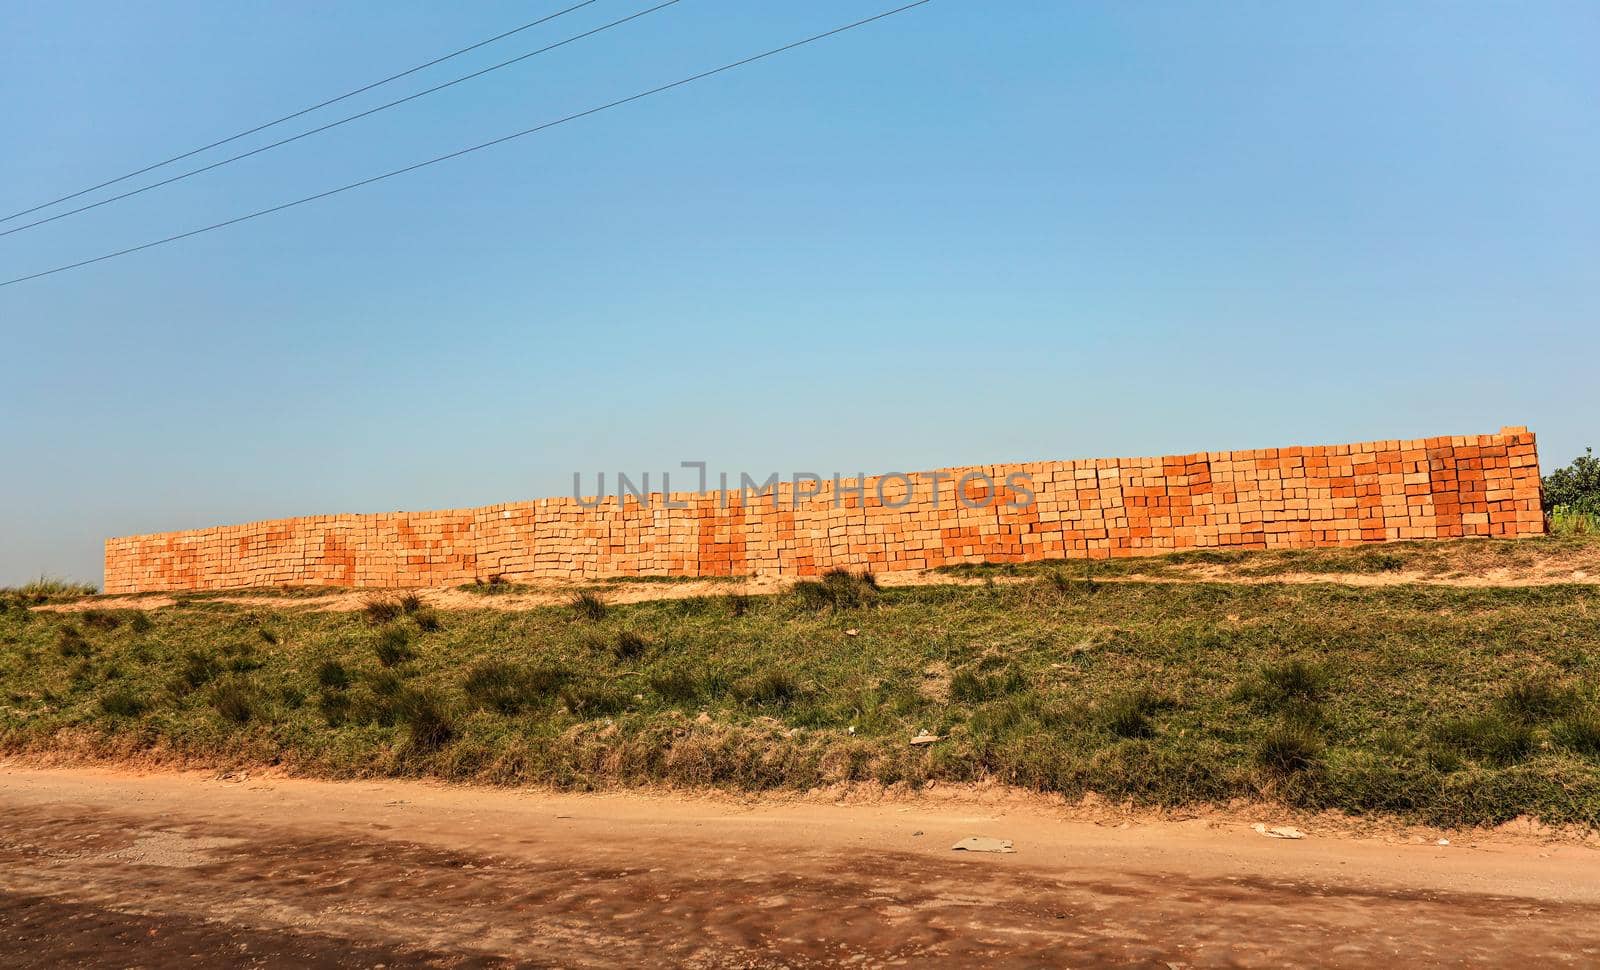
1277 498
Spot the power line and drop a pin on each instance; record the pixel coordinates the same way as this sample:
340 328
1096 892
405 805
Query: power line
475 148
335 124
290 117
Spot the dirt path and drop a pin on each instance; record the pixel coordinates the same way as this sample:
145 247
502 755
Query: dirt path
103 868
623 591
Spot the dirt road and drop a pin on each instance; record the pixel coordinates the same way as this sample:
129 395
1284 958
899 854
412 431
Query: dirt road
103 868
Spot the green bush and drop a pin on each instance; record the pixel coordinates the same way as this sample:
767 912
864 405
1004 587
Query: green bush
1575 488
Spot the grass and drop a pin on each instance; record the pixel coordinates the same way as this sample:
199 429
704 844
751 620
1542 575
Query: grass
838 589
1573 539
1572 522
588 606
1447 705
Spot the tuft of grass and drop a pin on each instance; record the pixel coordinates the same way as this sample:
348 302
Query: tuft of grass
838 589
199 668
139 622
1292 687
122 703
588 605
410 603
974 687
629 645
509 688
1489 738
682 685
427 620
332 675
1127 715
738 604
770 688
236 700
1535 699
1581 733
381 610
70 643
589 699
426 716
99 619
1289 747
394 646
47 589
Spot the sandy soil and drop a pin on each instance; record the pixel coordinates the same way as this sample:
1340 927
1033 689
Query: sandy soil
110 868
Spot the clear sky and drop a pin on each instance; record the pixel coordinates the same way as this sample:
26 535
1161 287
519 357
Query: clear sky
979 231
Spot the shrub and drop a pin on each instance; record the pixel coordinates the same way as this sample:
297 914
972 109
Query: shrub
1289 748
394 646
1575 488
629 645
588 606
1489 738
380 610
235 699
122 703
332 675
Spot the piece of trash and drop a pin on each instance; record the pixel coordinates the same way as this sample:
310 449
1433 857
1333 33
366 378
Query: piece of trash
852 729
977 843
1280 832
851 632
1443 842
923 737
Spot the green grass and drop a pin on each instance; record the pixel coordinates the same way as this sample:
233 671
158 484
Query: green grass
1573 539
1438 704
1573 523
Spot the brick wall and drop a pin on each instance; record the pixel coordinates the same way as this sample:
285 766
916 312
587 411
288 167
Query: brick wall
1485 485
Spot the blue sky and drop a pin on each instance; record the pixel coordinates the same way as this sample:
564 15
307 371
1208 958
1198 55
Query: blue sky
975 232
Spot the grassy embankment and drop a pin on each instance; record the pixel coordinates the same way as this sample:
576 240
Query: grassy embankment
1446 705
